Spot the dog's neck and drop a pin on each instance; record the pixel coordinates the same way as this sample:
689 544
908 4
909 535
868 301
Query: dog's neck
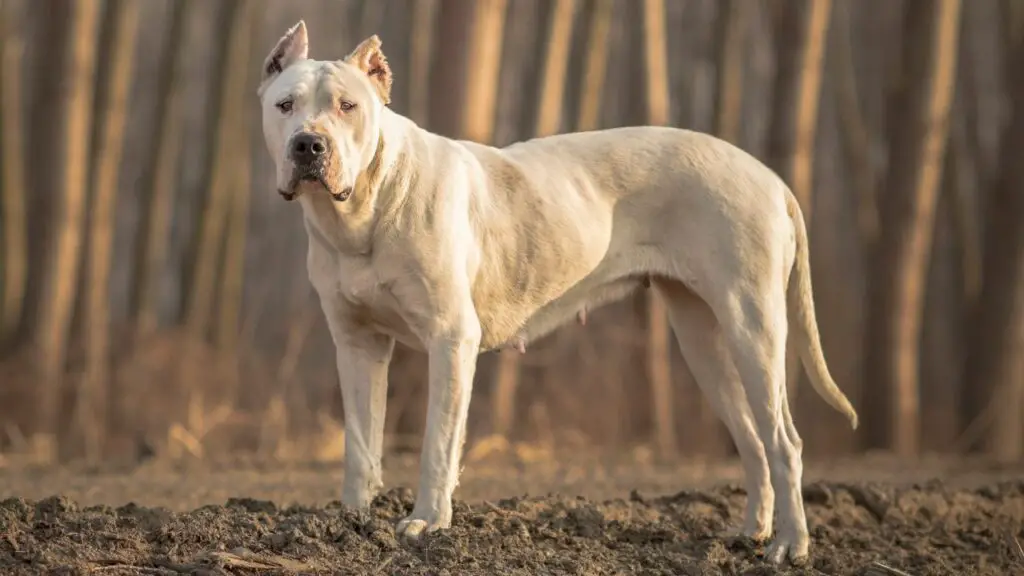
350 227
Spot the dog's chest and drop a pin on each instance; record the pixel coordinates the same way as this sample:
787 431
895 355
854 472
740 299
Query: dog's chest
365 295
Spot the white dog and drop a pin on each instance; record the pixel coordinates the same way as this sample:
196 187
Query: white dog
455 248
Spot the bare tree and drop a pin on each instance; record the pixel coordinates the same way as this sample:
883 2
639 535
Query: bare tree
484 58
449 69
239 175
161 174
228 79
423 12
228 75
53 325
854 135
658 358
731 42
549 120
595 65
994 376
918 128
801 52
14 239
733 20
116 65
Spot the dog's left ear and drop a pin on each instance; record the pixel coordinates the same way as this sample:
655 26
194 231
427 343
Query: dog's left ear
291 48
369 58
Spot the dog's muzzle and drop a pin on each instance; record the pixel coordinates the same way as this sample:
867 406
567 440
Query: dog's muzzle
308 150
309 153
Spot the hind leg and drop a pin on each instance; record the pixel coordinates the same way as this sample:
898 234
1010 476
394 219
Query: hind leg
704 349
755 330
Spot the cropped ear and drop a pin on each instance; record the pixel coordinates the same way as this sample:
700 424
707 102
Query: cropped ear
291 48
369 58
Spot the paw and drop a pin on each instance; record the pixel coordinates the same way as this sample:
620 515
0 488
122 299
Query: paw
413 527
793 546
751 537
754 528
758 533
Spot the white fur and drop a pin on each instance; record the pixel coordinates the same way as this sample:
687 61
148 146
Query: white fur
454 248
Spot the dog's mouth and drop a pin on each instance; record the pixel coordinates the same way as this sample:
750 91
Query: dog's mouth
314 176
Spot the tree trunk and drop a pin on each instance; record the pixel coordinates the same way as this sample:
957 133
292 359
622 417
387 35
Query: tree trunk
419 59
595 67
160 176
732 21
731 45
484 64
801 51
227 77
481 63
53 325
239 181
120 27
918 135
800 39
556 64
994 375
549 120
449 72
854 134
14 238
658 356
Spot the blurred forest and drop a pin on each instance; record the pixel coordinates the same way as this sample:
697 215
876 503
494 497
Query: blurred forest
153 289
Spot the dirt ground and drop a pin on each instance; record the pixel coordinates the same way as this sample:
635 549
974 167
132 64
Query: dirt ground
598 516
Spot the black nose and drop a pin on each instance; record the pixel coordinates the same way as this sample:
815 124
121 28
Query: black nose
308 147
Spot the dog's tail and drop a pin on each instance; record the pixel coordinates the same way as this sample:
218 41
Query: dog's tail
803 323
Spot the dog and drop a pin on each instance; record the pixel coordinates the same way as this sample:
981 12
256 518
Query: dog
456 248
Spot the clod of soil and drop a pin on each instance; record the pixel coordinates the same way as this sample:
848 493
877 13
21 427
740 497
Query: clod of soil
856 529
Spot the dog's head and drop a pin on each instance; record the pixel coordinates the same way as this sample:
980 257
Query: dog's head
321 118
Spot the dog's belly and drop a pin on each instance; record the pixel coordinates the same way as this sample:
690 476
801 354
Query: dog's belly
523 322
567 308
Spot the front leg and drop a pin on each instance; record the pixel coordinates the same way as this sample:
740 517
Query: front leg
452 363
362 358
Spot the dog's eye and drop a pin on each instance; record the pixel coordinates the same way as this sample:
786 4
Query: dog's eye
285 106
346 106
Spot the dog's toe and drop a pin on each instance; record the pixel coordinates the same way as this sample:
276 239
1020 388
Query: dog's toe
794 549
412 529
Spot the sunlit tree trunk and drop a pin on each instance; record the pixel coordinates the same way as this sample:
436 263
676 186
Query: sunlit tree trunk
483 65
994 375
449 74
801 41
239 180
229 74
731 45
53 325
918 130
658 358
423 12
227 77
549 121
119 30
13 229
732 22
160 175
854 134
595 66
